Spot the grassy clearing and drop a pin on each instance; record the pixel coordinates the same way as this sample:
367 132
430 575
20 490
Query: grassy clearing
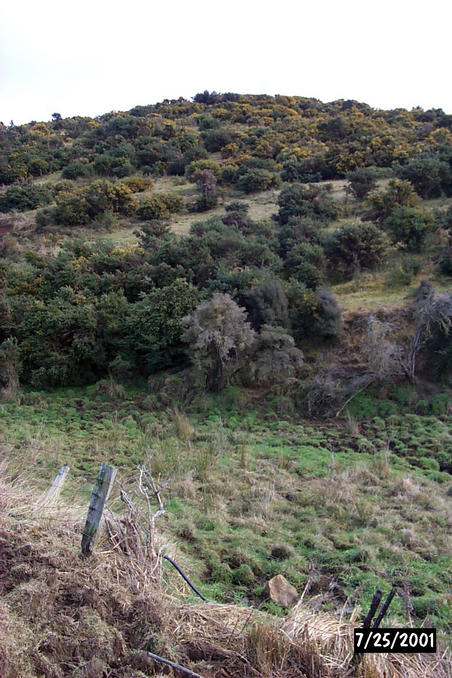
370 292
340 509
392 286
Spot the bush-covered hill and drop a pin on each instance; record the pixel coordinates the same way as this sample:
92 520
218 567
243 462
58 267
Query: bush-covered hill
253 294
77 305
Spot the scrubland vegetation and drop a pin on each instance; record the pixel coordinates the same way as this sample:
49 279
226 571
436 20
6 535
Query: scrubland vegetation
252 296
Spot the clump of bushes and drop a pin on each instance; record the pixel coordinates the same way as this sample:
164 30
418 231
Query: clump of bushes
256 179
355 246
445 261
299 200
138 184
81 206
408 227
26 197
404 273
398 194
159 206
77 169
313 314
362 181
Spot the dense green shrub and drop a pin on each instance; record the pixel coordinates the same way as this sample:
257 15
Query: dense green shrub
256 179
26 197
430 175
408 227
425 605
361 181
81 206
398 194
445 261
404 272
355 246
299 200
228 175
443 221
206 122
313 314
153 326
159 206
213 246
203 203
77 169
304 171
306 262
216 139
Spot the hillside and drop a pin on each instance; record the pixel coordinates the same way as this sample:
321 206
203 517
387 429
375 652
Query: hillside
252 296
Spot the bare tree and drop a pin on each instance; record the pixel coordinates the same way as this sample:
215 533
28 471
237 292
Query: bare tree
383 357
432 313
147 487
206 181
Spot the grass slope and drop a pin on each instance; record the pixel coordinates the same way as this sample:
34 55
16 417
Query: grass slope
338 508
63 617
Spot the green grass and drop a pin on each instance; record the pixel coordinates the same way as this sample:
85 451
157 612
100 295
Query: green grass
249 496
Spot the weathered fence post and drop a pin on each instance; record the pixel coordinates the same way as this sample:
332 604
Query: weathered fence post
52 494
99 495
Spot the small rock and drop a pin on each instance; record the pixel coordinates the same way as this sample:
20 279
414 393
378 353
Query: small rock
280 591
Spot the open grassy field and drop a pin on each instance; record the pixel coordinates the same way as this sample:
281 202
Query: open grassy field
339 509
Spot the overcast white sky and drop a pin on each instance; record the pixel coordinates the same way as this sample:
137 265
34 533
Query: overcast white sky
92 56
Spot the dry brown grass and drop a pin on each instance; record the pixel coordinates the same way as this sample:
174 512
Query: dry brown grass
61 616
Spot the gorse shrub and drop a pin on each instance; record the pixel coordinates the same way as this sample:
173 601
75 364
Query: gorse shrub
300 200
159 206
27 197
355 246
81 206
408 227
361 182
398 194
430 174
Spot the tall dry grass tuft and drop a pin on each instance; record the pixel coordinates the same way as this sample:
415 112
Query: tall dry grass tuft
183 427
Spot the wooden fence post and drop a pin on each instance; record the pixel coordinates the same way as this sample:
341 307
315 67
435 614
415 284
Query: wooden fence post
99 495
